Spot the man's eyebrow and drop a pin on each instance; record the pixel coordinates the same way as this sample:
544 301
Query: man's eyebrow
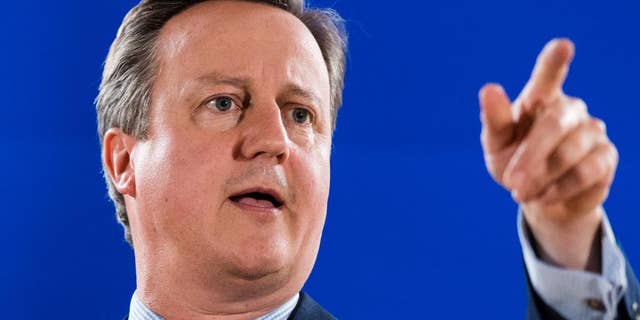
296 90
212 78
218 78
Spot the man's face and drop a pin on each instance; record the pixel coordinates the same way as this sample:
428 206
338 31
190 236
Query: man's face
234 175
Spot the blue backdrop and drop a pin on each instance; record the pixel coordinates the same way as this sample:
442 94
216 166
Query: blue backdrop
415 225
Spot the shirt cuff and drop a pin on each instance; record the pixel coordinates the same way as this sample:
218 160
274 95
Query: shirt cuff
577 294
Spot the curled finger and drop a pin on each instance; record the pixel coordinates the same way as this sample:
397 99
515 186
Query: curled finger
597 167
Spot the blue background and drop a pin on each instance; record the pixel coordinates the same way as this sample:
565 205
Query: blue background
415 225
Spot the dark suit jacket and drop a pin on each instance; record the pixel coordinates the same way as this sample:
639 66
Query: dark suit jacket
628 308
306 309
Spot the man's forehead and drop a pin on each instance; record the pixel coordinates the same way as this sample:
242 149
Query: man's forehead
240 40
226 19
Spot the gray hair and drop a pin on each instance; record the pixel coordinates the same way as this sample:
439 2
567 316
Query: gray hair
129 70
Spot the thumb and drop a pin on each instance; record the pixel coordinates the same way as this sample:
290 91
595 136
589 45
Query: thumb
497 119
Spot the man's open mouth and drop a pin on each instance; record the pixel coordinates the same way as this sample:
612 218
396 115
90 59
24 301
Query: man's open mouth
259 199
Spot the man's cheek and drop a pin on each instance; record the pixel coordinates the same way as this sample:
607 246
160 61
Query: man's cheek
313 180
171 178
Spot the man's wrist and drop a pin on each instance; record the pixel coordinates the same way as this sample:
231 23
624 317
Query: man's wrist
567 243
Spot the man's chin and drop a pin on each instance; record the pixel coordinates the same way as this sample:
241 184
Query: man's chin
261 267
254 274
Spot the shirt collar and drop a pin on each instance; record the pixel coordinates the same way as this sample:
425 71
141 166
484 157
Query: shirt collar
138 311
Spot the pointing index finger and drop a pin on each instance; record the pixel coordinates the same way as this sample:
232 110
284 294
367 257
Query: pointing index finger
550 70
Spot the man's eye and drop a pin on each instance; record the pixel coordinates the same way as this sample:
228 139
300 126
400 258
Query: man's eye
220 103
300 115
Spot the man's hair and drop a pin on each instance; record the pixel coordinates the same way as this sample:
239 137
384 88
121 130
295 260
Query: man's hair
130 68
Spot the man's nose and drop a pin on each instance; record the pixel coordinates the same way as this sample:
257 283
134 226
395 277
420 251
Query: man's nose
264 133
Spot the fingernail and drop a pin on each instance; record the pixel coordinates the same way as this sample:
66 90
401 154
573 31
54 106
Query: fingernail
496 87
516 179
515 195
481 92
552 43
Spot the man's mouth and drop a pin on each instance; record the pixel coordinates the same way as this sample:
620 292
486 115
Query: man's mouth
259 199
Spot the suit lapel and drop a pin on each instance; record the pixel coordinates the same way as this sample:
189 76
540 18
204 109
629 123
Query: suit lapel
308 309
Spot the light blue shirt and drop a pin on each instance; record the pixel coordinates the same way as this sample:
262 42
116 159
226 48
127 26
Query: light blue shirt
573 292
138 311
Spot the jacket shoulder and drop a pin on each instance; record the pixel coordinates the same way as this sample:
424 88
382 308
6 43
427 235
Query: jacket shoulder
309 309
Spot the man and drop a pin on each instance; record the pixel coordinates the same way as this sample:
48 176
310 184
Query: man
216 120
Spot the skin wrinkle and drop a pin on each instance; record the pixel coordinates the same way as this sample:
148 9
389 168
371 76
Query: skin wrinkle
275 175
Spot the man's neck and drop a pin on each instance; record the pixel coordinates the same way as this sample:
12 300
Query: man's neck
179 289
139 311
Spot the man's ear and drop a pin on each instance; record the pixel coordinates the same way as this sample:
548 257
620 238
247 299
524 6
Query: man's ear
116 156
